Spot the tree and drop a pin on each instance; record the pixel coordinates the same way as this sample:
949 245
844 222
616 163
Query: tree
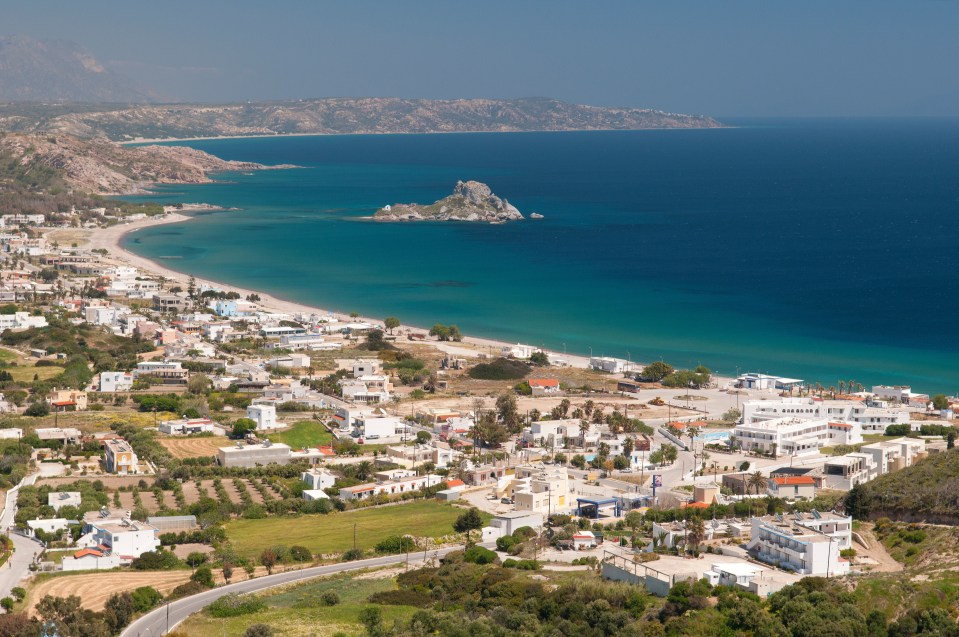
372 620
468 521
489 432
38 410
857 503
757 481
242 427
423 437
670 453
144 598
119 610
940 402
253 298
951 440
268 560
628 446
578 461
506 408
204 576
391 323
657 371
440 331
695 533
227 571
195 559
539 359
198 383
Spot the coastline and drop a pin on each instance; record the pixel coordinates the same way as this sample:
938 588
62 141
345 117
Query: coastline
111 239
169 140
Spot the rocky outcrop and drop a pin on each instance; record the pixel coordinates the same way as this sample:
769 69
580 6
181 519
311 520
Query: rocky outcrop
101 167
471 201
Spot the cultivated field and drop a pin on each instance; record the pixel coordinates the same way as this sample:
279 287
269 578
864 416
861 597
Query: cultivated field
334 533
95 588
193 447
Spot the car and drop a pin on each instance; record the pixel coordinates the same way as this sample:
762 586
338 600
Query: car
507 501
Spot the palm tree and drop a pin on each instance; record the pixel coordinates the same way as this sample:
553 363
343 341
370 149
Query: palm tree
757 481
695 533
583 430
588 408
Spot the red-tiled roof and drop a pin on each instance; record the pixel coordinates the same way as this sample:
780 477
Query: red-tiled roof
455 483
543 382
841 425
695 505
85 552
784 480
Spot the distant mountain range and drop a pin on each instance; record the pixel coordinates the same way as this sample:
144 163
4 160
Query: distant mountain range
50 70
59 87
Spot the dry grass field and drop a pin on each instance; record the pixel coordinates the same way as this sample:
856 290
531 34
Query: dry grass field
95 588
193 447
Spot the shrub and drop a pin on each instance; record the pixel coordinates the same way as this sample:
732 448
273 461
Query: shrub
914 537
330 598
505 543
500 369
396 544
528 565
187 589
258 630
479 555
19 593
155 561
234 605
145 598
300 554
352 555
402 597
509 563
195 559
204 576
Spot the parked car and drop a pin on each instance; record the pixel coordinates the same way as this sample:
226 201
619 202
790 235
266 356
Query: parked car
507 501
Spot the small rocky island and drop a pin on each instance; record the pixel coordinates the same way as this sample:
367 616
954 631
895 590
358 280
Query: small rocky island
470 201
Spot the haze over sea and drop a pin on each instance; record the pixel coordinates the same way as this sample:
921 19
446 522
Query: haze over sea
820 249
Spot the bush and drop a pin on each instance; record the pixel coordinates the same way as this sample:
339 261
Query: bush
352 555
37 410
234 605
204 576
402 597
330 598
300 554
156 561
479 555
528 565
187 589
258 630
505 542
145 598
395 544
509 563
196 559
500 369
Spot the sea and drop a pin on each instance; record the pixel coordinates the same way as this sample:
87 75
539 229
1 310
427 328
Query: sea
820 249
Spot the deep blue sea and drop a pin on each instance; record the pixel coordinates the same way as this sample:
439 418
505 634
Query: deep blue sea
822 249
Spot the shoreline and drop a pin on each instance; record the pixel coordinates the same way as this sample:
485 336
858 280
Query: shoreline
111 239
167 140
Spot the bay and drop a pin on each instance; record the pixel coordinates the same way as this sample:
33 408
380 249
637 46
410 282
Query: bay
821 249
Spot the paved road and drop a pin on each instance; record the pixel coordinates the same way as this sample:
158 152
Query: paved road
159 621
24 548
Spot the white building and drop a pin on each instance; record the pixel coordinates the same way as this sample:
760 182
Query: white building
187 426
318 478
795 436
392 487
128 539
808 544
111 382
21 321
371 427
508 523
540 489
872 419
263 415
765 381
612 365
366 367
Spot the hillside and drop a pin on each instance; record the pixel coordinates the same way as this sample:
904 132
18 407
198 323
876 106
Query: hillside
50 70
928 491
104 168
333 116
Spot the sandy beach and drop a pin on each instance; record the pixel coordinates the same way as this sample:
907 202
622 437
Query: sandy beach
111 238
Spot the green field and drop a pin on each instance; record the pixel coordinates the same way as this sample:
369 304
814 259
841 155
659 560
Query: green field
333 533
23 370
867 439
306 433
298 611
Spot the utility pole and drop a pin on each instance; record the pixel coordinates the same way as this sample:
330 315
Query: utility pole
354 536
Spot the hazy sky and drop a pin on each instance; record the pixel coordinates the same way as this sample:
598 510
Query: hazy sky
724 58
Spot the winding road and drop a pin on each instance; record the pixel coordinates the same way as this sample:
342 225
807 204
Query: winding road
24 548
163 619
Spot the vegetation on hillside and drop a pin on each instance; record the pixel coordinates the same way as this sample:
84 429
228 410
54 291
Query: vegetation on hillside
926 491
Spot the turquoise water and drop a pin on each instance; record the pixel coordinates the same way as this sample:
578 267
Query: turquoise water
816 249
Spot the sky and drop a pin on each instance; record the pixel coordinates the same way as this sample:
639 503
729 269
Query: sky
729 58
